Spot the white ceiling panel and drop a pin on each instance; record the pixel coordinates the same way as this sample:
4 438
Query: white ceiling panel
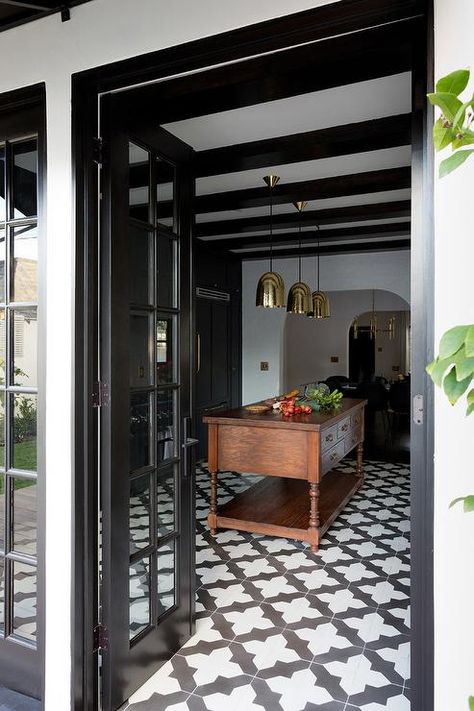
307 112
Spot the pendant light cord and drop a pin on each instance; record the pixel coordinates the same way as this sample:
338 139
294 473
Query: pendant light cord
317 227
299 249
271 227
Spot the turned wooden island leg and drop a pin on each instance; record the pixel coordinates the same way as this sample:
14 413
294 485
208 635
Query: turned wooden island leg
313 478
213 466
212 518
360 460
314 516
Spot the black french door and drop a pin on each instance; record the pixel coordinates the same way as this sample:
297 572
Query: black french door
22 485
147 476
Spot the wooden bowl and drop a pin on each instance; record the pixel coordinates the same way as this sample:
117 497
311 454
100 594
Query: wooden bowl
258 408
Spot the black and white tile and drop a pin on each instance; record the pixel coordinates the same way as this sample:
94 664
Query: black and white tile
282 629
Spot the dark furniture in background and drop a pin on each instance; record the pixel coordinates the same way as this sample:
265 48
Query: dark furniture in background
399 407
336 382
376 395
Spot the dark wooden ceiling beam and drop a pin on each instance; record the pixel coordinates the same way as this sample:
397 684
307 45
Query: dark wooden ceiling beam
337 61
349 139
399 229
377 134
319 189
351 248
327 216
25 5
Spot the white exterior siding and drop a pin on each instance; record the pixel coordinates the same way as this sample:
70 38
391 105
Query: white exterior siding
108 30
454 530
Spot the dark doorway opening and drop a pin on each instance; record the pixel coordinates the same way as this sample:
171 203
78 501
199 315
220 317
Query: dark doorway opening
361 356
275 35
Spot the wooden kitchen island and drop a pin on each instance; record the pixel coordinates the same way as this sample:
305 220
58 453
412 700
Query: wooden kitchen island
301 493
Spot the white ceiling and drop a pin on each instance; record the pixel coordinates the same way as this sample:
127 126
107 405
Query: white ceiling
307 112
333 107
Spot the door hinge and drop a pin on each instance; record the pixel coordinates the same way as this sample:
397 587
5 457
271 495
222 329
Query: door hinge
101 638
98 150
100 394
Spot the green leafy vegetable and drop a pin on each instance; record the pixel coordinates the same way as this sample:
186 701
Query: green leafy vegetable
321 399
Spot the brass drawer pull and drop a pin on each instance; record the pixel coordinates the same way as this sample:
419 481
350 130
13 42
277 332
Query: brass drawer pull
345 427
329 437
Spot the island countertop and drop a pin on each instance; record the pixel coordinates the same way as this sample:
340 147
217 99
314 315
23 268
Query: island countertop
274 418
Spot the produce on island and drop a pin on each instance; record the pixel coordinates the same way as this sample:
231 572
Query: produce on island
317 399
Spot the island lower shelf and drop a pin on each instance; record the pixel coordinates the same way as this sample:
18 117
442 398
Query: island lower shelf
279 506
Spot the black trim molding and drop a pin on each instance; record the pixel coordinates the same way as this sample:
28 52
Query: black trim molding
346 16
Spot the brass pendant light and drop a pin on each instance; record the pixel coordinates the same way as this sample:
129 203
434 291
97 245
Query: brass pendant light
299 296
373 328
271 287
319 299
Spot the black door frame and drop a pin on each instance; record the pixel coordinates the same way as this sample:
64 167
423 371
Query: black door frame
271 35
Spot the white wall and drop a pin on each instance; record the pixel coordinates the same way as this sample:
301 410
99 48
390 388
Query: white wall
263 329
454 471
309 344
107 30
49 51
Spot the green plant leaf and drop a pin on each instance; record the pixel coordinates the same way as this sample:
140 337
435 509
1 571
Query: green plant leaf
471 703
461 113
451 341
454 83
468 503
467 140
470 403
442 136
448 103
456 501
449 164
437 369
464 365
469 342
453 387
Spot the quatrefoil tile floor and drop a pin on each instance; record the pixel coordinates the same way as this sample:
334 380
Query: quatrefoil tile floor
282 629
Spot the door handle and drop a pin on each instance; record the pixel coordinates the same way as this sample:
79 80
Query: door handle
188 443
198 364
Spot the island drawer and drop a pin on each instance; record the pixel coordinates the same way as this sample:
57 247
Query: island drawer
353 438
334 455
357 418
328 438
343 427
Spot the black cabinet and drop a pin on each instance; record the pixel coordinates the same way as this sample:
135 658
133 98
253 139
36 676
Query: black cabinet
218 339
